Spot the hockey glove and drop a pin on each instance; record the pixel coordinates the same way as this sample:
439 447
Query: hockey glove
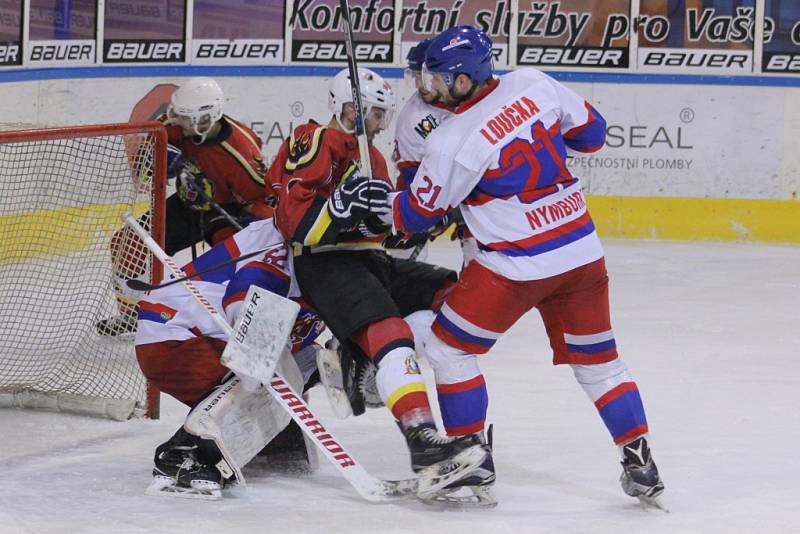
406 241
174 161
195 189
356 199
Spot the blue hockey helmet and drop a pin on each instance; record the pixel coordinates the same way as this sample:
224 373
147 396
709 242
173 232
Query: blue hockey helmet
416 56
460 50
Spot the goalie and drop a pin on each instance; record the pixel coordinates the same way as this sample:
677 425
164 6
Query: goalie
178 347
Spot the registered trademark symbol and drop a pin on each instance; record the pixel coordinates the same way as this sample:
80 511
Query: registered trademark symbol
297 108
687 115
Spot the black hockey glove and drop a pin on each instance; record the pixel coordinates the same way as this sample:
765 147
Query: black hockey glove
356 199
195 189
406 241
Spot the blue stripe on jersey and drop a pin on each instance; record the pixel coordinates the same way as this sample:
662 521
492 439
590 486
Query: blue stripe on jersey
413 220
464 408
463 334
591 136
217 254
546 246
624 413
252 275
592 348
150 315
406 176
525 166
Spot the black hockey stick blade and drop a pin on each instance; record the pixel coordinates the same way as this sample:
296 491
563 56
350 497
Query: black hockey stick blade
139 285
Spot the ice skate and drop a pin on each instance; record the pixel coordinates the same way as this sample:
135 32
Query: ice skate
179 473
475 489
438 460
119 326
640 476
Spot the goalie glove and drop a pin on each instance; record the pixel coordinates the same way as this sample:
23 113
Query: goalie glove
195 189
357 198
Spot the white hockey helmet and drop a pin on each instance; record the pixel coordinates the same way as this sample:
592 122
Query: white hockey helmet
375 93
196 105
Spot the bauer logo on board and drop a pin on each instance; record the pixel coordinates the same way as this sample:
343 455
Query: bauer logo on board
143 51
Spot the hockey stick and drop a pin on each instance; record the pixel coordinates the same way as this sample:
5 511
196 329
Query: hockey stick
355 86
228 217
371 488
140 285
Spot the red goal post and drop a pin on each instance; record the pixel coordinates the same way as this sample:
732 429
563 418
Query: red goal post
66 320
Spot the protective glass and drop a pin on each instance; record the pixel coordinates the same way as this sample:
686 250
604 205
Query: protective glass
198 125
435 80
383 117
410 78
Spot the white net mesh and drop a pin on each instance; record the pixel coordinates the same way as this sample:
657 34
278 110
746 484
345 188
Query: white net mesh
66 328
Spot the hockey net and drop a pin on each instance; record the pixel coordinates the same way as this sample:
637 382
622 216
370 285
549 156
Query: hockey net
66 322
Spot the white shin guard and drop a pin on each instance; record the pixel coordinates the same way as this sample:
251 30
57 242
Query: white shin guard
597 380
450 365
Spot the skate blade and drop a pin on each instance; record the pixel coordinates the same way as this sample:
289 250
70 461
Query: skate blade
166 487
399 489
330 374
431 480
464 498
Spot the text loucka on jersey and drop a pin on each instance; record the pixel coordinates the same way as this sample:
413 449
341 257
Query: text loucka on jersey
510 117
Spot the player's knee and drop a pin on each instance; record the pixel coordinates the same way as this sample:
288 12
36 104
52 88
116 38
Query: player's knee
612 371
381 337
420 323
450 365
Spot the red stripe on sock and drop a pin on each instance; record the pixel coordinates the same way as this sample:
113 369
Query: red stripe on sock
615 393
458 387
466 429
631 435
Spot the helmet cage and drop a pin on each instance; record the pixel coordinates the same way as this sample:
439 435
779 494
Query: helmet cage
376 93
196 106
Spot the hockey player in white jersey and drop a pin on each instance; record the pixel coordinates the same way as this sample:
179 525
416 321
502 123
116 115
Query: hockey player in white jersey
178 347
420 115
502 158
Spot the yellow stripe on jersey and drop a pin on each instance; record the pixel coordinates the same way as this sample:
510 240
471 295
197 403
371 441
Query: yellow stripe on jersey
257 178
318 229
303 151
399 393
244 132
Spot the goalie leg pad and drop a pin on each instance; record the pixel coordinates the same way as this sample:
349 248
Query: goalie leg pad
240 422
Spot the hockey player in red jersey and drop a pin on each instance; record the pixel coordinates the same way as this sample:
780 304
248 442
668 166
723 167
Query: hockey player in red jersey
178 347
217 160
218 169
501 157
344 273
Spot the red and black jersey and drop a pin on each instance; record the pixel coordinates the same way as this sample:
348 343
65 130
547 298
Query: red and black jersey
309 166
234 163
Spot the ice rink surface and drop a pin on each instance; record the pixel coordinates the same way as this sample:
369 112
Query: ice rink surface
711 333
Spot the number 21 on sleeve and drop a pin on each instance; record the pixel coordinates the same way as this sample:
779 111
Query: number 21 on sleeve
428 193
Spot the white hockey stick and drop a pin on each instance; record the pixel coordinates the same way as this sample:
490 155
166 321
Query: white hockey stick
371 488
